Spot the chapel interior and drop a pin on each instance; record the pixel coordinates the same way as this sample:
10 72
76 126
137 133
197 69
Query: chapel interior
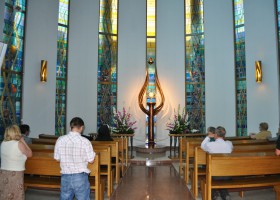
215 61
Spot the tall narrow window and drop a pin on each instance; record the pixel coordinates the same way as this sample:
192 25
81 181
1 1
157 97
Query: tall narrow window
240 69
107 61
61 67
151 56
11 71
278 18
195 64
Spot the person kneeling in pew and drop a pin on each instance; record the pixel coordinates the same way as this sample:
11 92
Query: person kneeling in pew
104 133
218 146
74 153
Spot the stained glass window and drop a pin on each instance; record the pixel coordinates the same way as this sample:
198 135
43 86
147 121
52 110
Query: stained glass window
151 57
107 61
240 69
12 68
278 19
61 67
195 64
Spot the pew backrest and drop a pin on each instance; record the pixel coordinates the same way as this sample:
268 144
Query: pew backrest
42 148
242 165
48 136
200 159
191 145
105 160
114 153
42 165
43 141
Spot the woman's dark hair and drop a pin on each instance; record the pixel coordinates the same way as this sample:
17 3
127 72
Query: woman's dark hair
76 122
104 133
104 130
24 128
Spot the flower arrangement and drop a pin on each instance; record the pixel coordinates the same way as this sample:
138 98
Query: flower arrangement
122 122
179 123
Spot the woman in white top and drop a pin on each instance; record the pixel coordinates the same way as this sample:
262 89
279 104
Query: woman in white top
14 152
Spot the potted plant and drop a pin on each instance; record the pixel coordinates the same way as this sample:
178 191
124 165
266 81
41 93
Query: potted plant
122 123
179 123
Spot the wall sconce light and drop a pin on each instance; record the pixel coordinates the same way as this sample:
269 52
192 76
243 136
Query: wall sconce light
258 71
44 71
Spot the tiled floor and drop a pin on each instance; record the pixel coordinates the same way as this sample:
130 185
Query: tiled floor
151 176
154 182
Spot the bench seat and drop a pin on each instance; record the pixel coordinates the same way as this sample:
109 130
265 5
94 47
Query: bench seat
41 182
248 182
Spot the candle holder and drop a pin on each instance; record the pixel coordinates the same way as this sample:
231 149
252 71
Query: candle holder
152 111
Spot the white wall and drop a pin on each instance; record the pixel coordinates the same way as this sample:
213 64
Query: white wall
261 44
219 65
40 44
131 60
170 61
2 8
82 63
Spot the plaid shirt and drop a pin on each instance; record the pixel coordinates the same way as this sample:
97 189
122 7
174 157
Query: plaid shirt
74 152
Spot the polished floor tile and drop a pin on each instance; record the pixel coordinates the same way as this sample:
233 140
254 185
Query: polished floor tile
156 182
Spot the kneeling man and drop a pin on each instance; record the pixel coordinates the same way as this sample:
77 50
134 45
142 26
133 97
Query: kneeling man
219 146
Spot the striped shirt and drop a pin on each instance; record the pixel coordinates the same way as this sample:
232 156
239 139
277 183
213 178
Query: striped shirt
74 153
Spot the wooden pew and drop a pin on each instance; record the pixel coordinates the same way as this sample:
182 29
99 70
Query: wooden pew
42 148
238 138
182 146
123 150
42 171
200 160
90 136
43 141
191 144
263 169
104 157
48 136
105 166
114 154
182 150
188 150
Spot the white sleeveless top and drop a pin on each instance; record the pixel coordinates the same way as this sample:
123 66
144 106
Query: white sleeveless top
12 159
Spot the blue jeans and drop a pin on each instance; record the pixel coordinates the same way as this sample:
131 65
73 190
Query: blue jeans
74 185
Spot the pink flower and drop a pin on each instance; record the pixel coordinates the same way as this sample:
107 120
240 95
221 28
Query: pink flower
122 123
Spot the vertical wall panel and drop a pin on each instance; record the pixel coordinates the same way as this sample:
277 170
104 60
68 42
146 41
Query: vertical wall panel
40 44
261 37
82 63
219 64
170 61
131 60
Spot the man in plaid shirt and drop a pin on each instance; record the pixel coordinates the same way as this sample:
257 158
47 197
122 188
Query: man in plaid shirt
74 153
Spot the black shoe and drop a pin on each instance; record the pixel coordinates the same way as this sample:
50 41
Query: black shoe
215 195
225 195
